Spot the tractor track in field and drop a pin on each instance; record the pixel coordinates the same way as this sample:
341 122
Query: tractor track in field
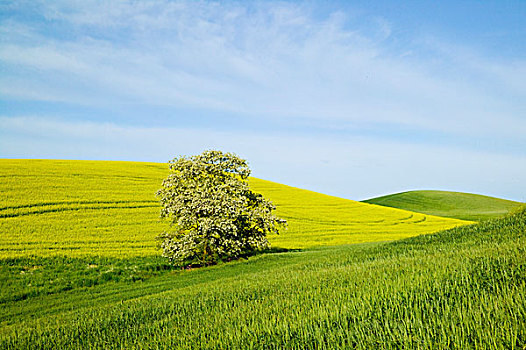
52 207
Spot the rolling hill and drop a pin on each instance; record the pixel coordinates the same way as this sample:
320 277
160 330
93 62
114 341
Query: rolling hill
79 269
457 205
105 208
457 289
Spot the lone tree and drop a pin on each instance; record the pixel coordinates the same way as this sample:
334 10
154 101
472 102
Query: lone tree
212 211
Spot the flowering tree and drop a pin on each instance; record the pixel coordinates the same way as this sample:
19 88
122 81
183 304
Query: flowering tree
213 213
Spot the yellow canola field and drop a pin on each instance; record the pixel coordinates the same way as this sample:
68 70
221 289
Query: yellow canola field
107 208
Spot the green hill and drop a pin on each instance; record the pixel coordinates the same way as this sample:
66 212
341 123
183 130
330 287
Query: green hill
101 208
457 289
464 206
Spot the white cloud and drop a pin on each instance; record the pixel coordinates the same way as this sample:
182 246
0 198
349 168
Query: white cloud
260 61
264 61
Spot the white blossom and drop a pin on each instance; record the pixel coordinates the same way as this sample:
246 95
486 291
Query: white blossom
213 213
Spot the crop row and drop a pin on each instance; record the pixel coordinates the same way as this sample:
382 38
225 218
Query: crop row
41 208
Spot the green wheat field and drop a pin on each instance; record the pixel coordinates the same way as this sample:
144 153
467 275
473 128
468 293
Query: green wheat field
80 269
464 206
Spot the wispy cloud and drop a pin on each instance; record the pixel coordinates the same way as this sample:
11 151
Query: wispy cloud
364 99
265 60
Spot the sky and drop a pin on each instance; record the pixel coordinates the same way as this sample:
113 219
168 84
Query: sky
350 98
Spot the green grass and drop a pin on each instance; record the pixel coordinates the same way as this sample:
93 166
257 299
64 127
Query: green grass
456 289
464 206
79 269
108 209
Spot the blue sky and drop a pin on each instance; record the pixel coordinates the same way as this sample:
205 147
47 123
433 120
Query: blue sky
350 98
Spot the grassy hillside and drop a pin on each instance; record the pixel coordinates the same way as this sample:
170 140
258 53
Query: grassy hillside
108 209
457 289
464 206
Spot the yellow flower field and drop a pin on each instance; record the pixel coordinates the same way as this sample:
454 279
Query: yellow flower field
107 208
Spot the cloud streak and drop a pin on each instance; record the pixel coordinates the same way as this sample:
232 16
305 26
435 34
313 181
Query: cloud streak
347 99
258 61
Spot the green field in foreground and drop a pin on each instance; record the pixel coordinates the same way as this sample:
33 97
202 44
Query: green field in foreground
458 205
457 289
108 209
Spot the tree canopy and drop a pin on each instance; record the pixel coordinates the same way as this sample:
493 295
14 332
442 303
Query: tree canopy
214 215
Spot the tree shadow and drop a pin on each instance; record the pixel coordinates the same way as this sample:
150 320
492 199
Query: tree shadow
240 257
273 250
